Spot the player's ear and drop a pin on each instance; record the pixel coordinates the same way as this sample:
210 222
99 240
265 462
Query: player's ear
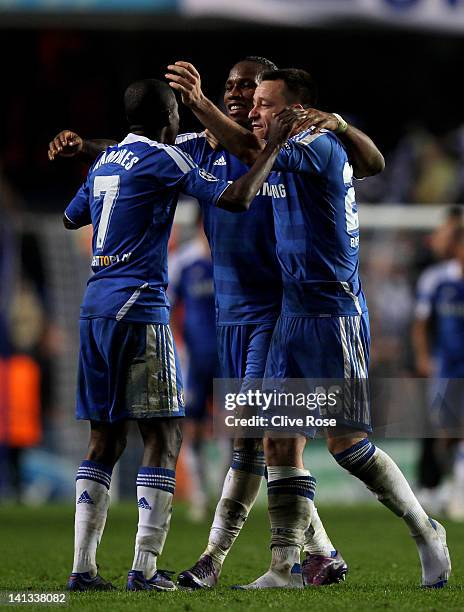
165 117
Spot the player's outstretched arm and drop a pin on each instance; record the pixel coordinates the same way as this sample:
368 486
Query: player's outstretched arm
239 195
69 144
364 155
185 78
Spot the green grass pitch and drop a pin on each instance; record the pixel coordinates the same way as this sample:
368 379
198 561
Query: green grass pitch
36 552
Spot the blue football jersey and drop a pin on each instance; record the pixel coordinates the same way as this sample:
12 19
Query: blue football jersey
191 282
441 298
130 197
247 276
317 229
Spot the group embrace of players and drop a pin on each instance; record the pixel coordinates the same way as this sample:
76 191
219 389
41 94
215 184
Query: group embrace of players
289 304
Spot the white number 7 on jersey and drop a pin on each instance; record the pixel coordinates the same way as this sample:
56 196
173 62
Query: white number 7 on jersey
109 185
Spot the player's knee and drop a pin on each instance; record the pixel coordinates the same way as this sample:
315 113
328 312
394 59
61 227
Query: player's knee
281 451
106 445
173 440
343 443
162 441
252 445
106 453
120 445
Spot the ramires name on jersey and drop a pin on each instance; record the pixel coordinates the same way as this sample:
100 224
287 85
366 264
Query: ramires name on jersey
123 157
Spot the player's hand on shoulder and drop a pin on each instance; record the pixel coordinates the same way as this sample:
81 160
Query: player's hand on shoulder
65 144
185 78
283 124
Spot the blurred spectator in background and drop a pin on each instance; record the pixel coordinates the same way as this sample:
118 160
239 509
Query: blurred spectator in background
191 292
421 170
438 340
455 141
391 300
21 331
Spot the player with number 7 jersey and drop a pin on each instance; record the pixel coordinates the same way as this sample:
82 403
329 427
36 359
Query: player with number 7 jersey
130 198
128 368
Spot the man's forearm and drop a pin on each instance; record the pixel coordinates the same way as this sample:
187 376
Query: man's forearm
366 158
236 139
239 195
92 148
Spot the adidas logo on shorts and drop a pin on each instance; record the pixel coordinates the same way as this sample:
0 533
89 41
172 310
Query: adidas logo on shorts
85 498
142 503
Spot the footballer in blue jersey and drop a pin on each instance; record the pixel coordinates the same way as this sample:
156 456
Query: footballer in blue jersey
127 365
440 301
322 332
248 290
191 288
245 295
440 315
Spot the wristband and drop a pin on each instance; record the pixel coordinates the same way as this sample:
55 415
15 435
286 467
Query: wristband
342 124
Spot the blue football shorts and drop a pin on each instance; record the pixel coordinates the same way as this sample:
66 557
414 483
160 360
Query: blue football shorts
243 349
127 371
324 349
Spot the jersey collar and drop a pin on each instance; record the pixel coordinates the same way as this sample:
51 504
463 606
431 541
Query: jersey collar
131 138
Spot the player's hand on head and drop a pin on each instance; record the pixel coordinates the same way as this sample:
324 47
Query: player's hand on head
185 78
65 144
282 124
320 120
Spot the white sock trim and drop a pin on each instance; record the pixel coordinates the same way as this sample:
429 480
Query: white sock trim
277 472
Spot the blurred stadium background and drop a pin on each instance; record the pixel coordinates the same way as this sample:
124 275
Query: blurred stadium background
389 66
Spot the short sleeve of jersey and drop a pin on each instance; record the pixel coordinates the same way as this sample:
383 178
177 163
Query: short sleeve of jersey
177 168
308 153
194 145
78 210
204 186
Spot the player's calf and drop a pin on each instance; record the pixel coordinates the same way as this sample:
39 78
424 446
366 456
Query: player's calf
93 479
290 499
241 487
383 477
156 481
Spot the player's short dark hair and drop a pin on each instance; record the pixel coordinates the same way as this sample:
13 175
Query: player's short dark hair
300 84
262 61
148 102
